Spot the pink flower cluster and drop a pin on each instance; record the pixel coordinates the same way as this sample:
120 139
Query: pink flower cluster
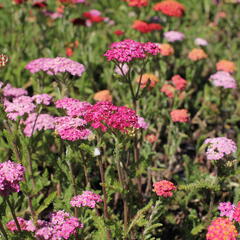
25 225
10 91
11 174
226 209
174 36
44 99
87 198
129 50
61 226
164 188
53 66
219 147
223 79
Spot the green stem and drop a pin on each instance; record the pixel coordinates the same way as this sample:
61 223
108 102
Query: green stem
3 231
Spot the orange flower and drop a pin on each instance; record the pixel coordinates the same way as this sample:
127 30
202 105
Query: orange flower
103 95
145 78
151 138
226 66
166 49
144 27
168 90
179 115
197 54
170 8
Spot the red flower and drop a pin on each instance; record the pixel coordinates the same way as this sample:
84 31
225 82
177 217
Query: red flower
69 51
179 115
137 3
170 8
40 4
93 18
179 82
19 1
164 188
118 32
144 27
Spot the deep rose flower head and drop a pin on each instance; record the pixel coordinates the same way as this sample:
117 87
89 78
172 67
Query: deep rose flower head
71 129
151 138
69 51
168 89
73 107
122 69
164 188
179 115
118 32
93 16
18 107
223 79
200 42
170 8
226 209
44 99
144 27
129 50
86 199
10 91
166 49
174 36
147 78
197 54
219 147
37 122
103 95
137 3
3 60
221 229
26 225
236 213
226 66
179 82
11 174
53 66
61 226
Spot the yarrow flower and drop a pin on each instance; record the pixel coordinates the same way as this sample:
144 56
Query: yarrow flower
122 69
11 174
144 27
221 229
170 8
236 213
25 225
129 50
226 209
151 138
10 91
166 49
147 78
44 99
200 42
3 60
223 79
174 36
219 147
197 54
226 66
137 3
179 115
164 188
168 89
179 82
103 95
53 66
86 199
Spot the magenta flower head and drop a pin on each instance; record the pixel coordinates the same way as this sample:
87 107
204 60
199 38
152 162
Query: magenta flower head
219 147
223 79
174 36
129 50
226 209
53 66
86 199
11 174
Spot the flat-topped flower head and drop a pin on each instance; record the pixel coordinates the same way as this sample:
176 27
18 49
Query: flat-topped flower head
179 82
201 42
226 66
168 89
219 147
174 36
11 174
86 199
43 98
145 27
223 79
137 3
103 95
197 54
129 50
221 229
226 209
170 8
179 115
164 188
53 66
25 225
147 79
166 49
10 91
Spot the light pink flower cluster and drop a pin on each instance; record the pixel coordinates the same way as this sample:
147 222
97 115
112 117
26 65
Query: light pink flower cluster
71 129
122 69
226 209
37 122
86 199
11 174
174 36
200 42
18 107
26 225
219 147
223 79
129 50
44 99
53 66
10 91
61 226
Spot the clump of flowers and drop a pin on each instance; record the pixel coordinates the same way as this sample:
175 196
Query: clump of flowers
221 229
11 174
168 89
86 199
166 49
137 3
197 54
10 91
179 115
200 42
44 99
93 16
226 209
26 225
129 50
144 27
61 226
223 79
179 82
164 188
174 36
226 66
53 66
219 147
147 78
170 8
103 95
